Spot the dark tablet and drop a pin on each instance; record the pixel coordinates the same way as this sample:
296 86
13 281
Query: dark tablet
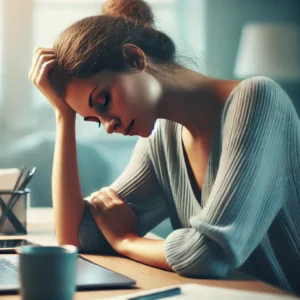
10 245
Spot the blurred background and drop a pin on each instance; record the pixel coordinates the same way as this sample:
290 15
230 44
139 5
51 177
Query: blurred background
229 39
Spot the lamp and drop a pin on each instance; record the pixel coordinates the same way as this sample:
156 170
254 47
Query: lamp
272 50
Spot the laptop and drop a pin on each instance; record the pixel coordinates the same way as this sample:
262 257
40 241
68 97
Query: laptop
89 275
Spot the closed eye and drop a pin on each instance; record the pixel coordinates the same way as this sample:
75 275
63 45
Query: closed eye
106 99
102 101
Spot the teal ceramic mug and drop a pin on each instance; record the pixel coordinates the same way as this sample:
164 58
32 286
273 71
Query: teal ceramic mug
47 272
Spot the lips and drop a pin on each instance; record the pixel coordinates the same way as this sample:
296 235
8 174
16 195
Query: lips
129 127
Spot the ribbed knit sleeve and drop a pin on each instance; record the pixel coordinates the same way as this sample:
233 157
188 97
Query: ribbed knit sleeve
139 187
244 198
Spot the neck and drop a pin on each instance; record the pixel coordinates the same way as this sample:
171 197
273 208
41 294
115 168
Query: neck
192 99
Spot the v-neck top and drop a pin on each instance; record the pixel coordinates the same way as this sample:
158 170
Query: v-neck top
192 179
249 214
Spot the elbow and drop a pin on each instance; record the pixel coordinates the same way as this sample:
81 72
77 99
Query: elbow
210 270
65 236
198 262
203 258
67 240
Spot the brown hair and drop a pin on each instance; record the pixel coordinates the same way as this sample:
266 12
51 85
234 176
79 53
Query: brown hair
95 43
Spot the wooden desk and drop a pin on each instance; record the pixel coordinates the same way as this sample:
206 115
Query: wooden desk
41 230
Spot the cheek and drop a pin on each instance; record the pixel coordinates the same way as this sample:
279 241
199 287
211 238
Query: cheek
120 103
132 94
125 100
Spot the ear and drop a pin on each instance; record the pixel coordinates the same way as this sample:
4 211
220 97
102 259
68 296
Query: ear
134 57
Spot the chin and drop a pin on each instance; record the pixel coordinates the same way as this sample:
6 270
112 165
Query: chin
146 131
144 134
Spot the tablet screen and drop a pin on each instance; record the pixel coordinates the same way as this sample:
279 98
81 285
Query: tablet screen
10 245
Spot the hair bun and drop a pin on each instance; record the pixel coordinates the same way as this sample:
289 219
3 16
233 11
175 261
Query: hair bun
135 10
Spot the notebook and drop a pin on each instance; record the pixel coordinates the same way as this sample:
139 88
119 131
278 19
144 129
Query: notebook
8 178
199 291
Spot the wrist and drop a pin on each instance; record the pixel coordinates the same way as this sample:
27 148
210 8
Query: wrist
65 117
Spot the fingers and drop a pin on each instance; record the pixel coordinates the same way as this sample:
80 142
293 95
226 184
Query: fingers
97 203
105 198
114 195
42 74
109 191
43 61
101 201
37 57
39 52
40 49
35 70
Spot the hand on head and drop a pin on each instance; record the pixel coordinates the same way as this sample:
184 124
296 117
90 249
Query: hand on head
42 62
102 43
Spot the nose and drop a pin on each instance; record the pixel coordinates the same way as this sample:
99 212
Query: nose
110 125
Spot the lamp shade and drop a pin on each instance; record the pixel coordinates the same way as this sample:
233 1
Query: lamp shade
272 50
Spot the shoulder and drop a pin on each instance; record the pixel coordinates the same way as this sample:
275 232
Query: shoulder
260 95
260 88
258 82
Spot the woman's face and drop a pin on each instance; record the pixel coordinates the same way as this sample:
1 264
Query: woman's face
123 103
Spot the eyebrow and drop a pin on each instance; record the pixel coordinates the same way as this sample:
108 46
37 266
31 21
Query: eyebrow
91 98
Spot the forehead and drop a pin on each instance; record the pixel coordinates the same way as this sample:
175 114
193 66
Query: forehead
77 93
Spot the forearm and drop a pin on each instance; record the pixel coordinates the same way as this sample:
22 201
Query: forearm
147 251
66 191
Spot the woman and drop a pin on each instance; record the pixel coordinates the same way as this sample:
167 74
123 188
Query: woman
223 162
